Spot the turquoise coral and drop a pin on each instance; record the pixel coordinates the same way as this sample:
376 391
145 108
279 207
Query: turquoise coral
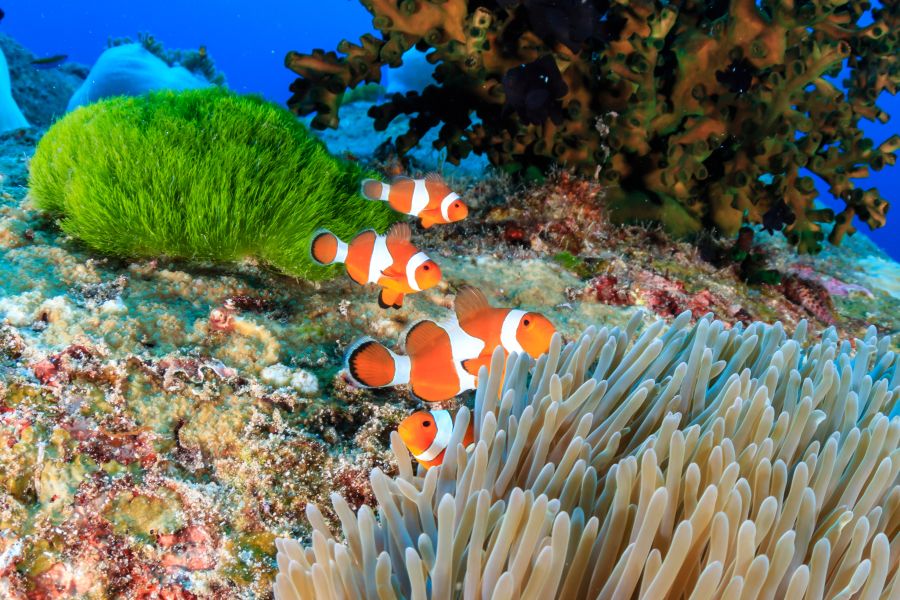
200 174
698 113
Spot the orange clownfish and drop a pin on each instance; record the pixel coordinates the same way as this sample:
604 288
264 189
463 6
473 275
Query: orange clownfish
442 360
391 261
516 330
426 434
429 199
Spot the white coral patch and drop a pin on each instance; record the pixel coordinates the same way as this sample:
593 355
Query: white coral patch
18 311
114 306
277 375
304 382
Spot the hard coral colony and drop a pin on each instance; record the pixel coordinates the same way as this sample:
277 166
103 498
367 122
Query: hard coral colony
699 112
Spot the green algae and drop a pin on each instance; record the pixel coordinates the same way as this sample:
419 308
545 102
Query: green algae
146 516
200 175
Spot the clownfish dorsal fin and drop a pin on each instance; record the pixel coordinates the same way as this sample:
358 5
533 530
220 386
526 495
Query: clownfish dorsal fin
422 337
400 178
469 302
435 177
399 232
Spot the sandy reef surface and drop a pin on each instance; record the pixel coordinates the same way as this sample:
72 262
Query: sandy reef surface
161 422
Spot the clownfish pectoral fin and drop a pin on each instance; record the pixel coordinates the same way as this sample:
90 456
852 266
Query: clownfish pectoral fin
469 303
473 365
393 272
426 221
390 299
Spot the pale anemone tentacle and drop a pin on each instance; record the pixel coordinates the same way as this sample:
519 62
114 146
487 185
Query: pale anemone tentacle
685 462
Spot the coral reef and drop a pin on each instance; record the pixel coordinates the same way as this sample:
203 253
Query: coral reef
11 116
682 462
42 94
158 422
131 70
198 62
698 114
565 219
232 178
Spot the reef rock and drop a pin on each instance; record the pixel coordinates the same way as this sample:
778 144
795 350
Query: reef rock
42 94
11 116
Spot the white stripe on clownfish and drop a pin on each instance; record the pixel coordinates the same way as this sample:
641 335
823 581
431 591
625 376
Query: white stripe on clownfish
445 204
443 425
402 368
508 338
381 259
462 347
414 263
419 197
340 255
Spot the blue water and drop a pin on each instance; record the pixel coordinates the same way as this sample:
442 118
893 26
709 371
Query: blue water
248 41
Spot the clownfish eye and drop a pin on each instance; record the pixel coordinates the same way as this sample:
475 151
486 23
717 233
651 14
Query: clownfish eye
426 423
456 205
427 267
526 322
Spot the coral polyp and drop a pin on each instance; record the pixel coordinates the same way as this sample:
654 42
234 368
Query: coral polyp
699 115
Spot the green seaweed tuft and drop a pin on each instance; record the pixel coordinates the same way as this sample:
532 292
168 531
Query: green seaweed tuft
199 174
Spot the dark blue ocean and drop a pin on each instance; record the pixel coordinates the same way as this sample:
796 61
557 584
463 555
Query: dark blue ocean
249 39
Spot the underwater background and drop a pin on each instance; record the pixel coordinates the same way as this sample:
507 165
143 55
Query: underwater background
286 310
249 42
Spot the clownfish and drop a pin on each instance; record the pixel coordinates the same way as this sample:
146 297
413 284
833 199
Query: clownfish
391 261
442 360
516 330
426 434
429 199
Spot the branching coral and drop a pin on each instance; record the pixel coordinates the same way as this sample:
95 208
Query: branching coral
709 109
688 462
200 174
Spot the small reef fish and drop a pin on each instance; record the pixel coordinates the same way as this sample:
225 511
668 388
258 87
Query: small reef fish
516 330
391 261
50 62
429 199
426 434
442 360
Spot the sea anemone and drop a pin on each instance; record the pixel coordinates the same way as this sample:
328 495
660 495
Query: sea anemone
684 462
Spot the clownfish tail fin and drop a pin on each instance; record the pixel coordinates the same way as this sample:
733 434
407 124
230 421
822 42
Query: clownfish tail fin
372 189
327 248
371 364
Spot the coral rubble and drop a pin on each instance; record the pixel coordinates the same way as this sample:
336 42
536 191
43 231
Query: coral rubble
679 462
702 114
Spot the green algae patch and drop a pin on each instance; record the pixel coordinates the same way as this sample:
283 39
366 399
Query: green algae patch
146 516
199 175
59 482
